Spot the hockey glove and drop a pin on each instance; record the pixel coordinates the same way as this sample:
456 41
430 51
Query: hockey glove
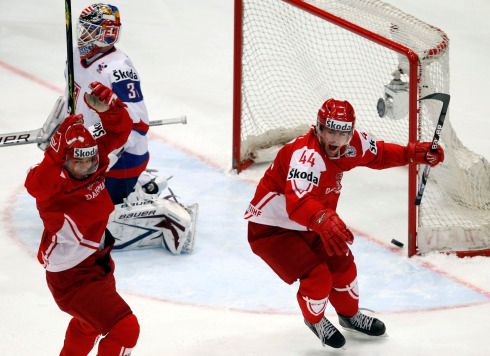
62 138
102 98
335 246
332 231
419 152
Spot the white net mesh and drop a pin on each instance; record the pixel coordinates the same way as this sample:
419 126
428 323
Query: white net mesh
293 60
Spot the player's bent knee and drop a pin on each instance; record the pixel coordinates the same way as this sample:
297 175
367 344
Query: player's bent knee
125 332
317 283
345 275
340 264
313 293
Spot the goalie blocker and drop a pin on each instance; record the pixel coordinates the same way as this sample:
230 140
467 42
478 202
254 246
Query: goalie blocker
147 219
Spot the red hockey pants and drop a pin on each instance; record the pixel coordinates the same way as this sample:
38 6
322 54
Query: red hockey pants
300 255
88 293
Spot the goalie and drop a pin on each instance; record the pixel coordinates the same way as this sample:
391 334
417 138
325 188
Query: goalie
143 215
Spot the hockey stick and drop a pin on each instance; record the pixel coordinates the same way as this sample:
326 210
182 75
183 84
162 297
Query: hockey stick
20 138
173 120
36 136
444 98
69 58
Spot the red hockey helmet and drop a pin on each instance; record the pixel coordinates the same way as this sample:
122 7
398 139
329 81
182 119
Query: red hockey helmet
336 115
98 27
82 155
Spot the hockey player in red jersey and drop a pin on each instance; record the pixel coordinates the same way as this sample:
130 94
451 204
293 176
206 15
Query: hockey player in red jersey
74 205
293 225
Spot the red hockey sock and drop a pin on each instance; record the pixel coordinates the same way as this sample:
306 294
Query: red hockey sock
344 296
313 293
121 338
79 339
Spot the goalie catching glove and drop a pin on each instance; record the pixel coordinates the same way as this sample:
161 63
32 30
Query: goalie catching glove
419 152
333 232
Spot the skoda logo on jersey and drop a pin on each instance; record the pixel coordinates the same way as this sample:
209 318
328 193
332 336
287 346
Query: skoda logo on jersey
85 152
124 74
295 174
97 130
338 125
372 146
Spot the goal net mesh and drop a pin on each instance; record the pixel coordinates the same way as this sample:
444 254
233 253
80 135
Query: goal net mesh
293 60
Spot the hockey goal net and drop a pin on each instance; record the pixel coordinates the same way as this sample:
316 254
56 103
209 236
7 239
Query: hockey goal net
290 55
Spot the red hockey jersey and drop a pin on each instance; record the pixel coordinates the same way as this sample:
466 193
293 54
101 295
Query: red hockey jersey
75 212
303 180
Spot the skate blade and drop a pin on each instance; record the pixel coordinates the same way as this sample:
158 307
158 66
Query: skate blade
361 336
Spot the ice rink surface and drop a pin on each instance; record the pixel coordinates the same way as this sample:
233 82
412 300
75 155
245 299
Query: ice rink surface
222 299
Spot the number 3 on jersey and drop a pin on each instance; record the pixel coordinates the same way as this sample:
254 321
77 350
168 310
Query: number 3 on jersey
131 91
128 91
307 157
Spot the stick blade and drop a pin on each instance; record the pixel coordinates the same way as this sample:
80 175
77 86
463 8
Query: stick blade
438 96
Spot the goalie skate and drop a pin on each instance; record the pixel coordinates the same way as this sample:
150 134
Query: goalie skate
150 220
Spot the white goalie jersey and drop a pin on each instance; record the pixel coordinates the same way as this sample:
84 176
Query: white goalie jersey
115 70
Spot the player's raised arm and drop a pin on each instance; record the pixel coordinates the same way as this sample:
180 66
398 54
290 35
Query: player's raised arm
116 123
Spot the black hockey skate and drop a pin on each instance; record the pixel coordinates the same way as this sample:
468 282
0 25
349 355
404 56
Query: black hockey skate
327 333
363 323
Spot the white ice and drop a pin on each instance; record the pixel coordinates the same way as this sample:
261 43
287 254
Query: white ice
222 299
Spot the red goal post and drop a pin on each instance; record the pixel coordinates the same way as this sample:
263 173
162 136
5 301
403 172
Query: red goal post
290 55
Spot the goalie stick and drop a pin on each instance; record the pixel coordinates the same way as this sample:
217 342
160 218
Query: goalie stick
43 134
444 98
69 58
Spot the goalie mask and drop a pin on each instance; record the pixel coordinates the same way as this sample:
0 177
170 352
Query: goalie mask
82 156
335 125
98 27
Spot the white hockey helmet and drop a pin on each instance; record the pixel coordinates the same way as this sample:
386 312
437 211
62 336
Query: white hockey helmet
98 27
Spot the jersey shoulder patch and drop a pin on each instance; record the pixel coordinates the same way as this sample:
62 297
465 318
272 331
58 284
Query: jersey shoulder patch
368 143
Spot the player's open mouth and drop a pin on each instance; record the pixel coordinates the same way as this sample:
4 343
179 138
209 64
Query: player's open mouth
333 147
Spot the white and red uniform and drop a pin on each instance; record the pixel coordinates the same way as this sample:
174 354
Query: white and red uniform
115 70
302 181
75 250
75 212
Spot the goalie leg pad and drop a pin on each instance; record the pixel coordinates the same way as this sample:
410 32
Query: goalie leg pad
191 234
152 223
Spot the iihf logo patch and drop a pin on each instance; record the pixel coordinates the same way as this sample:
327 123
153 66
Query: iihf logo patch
101 67
350 151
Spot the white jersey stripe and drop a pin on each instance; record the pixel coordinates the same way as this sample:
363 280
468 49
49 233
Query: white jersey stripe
265 199
78 235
